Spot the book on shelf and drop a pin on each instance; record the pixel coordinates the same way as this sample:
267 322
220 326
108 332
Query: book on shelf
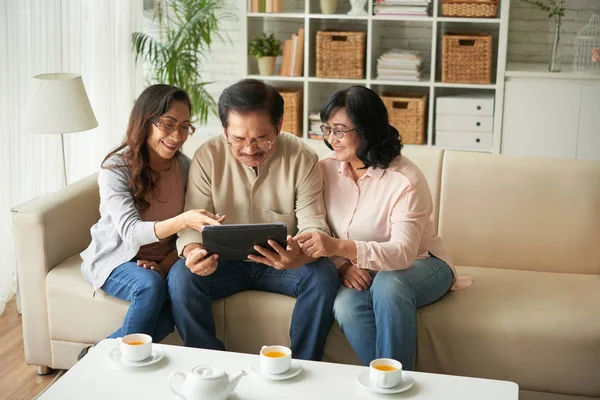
400 64
266 6
292 62
285 59
420 8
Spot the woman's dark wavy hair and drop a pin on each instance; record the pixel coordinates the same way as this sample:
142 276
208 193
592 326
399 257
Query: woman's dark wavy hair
153 102
380 142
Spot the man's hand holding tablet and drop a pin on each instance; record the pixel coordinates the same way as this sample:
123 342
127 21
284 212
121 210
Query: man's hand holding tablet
195 259
291 257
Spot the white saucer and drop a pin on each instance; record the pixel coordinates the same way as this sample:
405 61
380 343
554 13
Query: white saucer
156 355
294 370
407 382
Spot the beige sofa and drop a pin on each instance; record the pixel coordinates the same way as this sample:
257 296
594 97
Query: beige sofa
526 229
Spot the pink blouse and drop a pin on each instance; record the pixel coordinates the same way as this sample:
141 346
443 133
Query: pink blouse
386 213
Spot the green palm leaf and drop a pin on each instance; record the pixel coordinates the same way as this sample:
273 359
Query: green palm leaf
187 28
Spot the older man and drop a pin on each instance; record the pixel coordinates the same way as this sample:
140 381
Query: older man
254 173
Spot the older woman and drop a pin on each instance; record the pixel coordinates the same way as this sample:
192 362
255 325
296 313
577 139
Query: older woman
389 257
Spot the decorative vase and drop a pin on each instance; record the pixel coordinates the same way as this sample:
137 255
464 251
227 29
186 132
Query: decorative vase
554 57
328 6
266 65
358 7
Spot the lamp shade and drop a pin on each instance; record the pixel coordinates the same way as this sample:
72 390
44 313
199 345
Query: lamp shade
58 103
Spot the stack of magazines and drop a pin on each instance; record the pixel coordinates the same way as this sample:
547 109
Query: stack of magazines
314 127
400 65
412 8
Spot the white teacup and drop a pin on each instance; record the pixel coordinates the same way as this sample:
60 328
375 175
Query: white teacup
385 372
135 347
275 359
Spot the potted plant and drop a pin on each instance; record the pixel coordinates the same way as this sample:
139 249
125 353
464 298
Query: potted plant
555 10
186 29
265 49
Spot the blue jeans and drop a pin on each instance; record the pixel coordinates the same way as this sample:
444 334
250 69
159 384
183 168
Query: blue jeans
146 290
382 322
314 285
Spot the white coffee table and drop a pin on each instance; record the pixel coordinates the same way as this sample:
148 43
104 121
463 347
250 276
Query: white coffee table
96 376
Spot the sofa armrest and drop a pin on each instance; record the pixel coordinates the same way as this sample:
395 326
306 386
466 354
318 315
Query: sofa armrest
48 230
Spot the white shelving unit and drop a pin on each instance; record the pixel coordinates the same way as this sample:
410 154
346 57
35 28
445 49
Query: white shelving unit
383 33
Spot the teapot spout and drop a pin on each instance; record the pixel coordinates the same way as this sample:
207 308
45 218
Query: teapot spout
234 380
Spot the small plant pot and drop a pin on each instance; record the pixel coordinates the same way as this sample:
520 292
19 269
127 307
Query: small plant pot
266 65
328 6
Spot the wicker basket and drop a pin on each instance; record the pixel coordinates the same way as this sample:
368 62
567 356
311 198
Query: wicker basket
292 110
341 54
407 114
470 8
467 58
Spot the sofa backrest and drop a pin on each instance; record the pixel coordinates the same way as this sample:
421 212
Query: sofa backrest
528 213
498 211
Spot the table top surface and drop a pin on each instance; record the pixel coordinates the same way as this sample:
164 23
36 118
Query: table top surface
97 376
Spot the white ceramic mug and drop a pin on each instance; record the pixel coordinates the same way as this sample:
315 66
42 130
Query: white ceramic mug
135 352
385 372
275 365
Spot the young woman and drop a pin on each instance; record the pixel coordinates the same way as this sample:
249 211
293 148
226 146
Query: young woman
389 257
142 187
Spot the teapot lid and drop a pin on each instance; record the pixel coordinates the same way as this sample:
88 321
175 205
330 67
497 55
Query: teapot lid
207 372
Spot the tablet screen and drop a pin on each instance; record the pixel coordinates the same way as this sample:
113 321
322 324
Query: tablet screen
237 241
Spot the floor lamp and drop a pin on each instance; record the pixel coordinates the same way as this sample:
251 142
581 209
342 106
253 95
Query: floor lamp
58 103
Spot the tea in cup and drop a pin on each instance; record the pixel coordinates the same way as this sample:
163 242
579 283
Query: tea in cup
385 372
135 347
275 359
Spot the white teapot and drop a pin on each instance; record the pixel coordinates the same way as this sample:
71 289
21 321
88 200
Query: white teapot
206 383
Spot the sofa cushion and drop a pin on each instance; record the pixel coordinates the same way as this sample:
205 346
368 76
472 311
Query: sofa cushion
536 214
539 329
244 322
75 314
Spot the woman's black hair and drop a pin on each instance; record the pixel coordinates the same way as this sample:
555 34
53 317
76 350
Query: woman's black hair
380 142
250 95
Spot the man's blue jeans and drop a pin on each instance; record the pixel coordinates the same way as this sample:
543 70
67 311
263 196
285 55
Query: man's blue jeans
146 290
381 322
314 285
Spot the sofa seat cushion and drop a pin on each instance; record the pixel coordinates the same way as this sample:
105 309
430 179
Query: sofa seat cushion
244 322
539 329
75 314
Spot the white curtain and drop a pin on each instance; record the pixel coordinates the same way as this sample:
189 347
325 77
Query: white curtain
89 37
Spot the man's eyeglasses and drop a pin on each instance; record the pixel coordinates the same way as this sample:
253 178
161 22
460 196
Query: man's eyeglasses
239 144
170 127
327 130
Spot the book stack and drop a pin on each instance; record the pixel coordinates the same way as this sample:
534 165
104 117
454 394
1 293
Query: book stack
412 8
292 62
398 64
266 6
314 126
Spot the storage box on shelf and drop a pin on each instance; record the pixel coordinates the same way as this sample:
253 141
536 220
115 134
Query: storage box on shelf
341 54
407 114
465 122
470 8
292 110
467 58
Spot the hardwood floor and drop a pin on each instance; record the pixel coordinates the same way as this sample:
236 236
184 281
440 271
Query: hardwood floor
18 381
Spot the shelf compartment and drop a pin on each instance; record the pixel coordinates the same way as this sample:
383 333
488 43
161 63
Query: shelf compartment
282 28
406 35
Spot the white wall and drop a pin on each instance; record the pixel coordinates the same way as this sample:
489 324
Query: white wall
531 33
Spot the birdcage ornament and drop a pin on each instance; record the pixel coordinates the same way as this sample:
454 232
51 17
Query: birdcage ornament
587 47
